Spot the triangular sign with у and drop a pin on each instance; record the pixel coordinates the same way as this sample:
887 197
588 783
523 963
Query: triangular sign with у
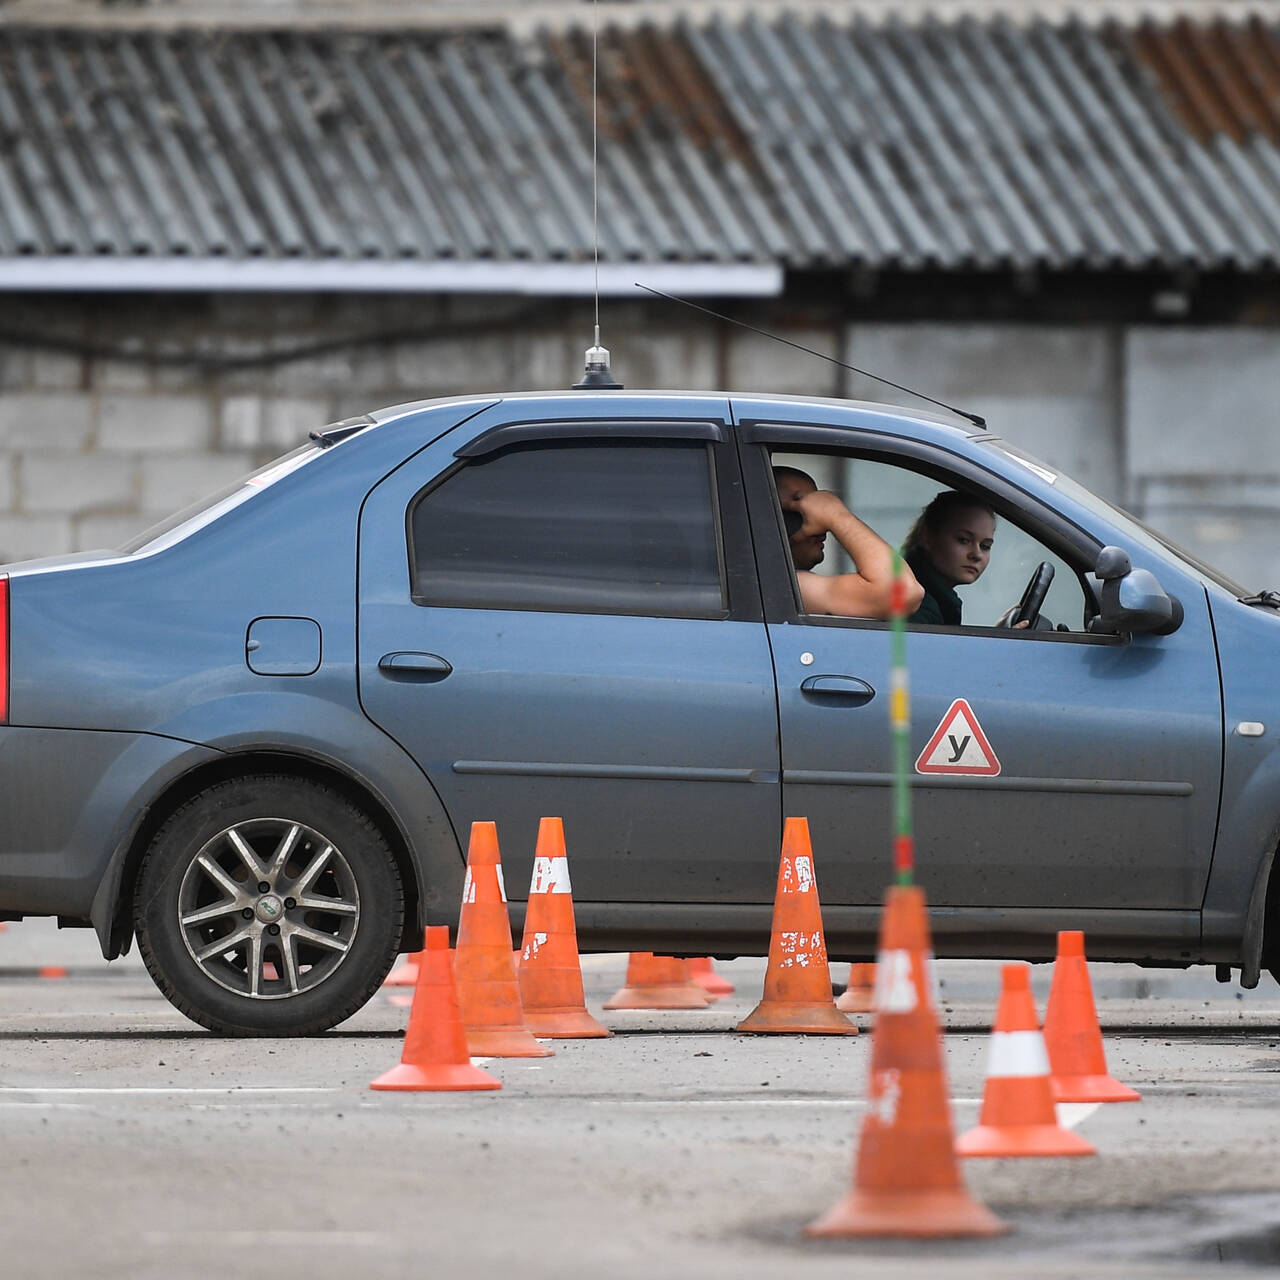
959 746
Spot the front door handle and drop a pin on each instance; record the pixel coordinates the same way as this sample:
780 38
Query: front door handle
414 666
844 691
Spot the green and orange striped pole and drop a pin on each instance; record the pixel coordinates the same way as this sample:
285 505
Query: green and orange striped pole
900 727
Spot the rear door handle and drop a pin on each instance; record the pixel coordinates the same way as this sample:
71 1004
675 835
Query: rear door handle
414 666
843 691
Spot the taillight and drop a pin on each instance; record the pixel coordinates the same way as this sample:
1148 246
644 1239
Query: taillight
4 648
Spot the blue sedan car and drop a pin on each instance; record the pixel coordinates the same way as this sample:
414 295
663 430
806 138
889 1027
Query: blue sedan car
255 738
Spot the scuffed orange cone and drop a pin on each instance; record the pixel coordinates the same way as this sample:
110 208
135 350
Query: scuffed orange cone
857 991
797 983
435 1045
658 982
405 974
488 988
1017 1116
906 1181
550 970
1077 1061
702 970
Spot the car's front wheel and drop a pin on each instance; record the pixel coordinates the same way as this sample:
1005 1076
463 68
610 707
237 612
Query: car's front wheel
268 905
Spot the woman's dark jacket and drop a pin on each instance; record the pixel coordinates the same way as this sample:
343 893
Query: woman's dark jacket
941 605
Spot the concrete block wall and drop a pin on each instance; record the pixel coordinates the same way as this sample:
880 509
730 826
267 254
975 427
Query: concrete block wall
1202 445
1055 392
89 467
1178 424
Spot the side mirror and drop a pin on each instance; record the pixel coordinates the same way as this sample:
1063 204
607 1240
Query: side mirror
1133 599
1113 562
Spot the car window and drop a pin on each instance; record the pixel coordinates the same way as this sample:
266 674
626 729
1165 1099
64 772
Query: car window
189 520
890 499
590 526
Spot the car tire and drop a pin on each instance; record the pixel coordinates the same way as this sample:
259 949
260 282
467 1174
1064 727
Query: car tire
297 883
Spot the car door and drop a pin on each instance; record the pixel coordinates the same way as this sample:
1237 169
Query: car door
561 618
1055 773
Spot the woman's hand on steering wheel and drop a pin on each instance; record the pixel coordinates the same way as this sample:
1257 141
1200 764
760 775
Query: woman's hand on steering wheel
1027 610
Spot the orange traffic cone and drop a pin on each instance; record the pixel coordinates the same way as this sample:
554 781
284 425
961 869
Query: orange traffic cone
857 991
658 982
1017 1105
405 974
797 983
906 1181
550 971
435 1045
702 970
1072 1034
488 988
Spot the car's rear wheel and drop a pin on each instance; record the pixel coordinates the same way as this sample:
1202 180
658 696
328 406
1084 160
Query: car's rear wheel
268 905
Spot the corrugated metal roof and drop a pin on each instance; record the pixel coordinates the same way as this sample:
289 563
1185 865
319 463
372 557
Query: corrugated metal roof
798 139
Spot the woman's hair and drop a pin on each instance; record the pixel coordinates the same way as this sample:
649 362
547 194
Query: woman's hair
942 507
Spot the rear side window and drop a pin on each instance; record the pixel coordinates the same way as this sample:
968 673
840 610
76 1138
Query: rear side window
195 517
587 527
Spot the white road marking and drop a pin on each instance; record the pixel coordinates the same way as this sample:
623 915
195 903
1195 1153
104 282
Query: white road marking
300 1239
1071 1114
49 1106
65 1015
113 1091
240 1106
122 1089
750 1102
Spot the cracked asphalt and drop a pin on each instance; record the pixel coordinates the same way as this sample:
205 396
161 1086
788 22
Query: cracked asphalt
135 1144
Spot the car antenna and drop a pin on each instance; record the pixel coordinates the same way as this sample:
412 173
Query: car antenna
598 376
976 419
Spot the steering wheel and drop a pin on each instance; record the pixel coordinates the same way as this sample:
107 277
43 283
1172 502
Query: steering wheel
1028 608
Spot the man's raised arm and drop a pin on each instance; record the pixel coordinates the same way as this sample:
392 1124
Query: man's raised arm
867 591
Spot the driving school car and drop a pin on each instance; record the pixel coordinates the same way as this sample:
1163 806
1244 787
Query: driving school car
256 737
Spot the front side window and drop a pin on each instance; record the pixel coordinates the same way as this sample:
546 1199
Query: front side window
974 564
590 526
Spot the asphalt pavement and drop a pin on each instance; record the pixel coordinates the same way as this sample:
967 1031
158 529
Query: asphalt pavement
135 1144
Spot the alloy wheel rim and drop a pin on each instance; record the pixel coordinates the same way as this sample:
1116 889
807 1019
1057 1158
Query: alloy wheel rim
268 908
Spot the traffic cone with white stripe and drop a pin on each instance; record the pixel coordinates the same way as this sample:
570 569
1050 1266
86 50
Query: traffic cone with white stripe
658 982
858 990
435 1046
1072 1034
907 1180
797 983
550 970
702 970
488 988
1017 1116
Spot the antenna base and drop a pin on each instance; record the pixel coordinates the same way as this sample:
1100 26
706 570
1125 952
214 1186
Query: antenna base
598 376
